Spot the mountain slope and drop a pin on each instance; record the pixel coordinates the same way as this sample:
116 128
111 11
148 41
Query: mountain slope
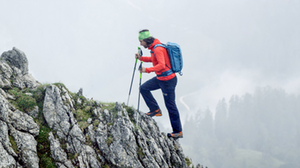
49 126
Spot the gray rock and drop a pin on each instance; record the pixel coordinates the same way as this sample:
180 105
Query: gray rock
89 121
7 161
55 112
3 93
14 70
4 108
88 158
76 138
5 140
23 122
80 92
35 112
91 133
6 73
97 111
67 98
125 145
16 58
58 154
26 145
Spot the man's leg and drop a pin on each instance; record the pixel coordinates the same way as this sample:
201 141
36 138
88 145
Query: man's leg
168 89
151 84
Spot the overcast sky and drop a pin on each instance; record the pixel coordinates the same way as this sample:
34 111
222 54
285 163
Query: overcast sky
229 47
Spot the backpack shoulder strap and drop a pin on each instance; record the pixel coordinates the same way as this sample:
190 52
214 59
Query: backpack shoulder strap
157 45
160 45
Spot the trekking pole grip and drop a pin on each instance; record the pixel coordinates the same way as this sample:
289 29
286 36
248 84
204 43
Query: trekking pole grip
141 68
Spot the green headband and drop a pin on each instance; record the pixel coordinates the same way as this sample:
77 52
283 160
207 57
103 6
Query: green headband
143 35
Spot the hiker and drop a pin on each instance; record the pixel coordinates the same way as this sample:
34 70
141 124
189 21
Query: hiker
165 80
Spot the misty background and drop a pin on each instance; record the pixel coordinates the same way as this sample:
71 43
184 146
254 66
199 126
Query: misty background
230 48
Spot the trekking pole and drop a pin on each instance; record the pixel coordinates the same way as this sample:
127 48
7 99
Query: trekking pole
138 108
140 53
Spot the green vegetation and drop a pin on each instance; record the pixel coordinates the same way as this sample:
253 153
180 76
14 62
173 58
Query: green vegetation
83 124
106 166
188 162
109 140
96 123
82 115
23 102
109 106
26 99
13 144
131 113
73 155
43 147
42 139
60 85
253 130
26 103
140 152
39 95
46 161
43 144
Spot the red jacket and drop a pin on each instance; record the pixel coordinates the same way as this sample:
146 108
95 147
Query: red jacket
159 61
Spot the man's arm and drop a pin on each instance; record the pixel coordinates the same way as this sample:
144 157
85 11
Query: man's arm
160 57
145 59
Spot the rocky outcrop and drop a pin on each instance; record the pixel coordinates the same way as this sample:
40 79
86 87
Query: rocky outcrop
48 125
111 137
17 137
14 70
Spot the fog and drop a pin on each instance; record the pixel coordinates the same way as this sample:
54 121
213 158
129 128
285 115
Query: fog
229 47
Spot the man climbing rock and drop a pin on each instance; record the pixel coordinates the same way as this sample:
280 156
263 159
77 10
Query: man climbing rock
165 80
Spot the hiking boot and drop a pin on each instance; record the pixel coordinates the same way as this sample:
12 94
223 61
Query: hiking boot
154 113
176 135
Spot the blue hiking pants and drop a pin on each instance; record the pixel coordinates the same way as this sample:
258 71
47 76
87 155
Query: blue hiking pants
168 90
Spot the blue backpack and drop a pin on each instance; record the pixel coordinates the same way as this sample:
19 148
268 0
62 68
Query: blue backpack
175 56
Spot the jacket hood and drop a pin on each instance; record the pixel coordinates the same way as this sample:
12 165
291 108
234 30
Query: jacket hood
156 41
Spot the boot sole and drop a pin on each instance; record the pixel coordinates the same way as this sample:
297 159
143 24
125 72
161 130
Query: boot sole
175 137
157 115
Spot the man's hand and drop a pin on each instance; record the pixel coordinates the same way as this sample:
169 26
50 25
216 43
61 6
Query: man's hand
137 56
143 70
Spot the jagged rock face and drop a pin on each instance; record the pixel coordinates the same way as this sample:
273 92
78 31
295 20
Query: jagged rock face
22 129
14 70
17 59
115 140
66 130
